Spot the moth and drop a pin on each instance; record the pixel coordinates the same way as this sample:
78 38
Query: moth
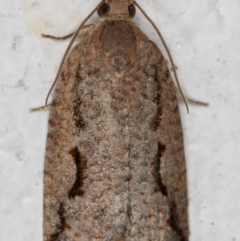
115 167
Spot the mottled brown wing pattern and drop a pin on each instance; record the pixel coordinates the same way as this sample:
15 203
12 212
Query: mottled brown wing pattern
115 166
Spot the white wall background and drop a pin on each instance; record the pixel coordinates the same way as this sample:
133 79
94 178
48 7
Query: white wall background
204 39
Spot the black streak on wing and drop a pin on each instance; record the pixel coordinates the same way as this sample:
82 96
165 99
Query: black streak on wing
61 224
174 220
157 99
80 163
78 119
157 174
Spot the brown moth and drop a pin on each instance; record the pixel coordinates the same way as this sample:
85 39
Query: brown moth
115 168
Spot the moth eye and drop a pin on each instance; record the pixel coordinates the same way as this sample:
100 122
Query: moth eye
103 10
131 10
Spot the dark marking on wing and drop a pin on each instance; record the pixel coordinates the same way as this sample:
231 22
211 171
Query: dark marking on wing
157 169
81 165
61 225
77 101
78 119
174 221
157 99
119 63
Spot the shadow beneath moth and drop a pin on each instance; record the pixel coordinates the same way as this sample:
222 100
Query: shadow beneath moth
115 167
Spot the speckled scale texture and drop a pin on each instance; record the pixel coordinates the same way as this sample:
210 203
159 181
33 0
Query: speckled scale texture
115 168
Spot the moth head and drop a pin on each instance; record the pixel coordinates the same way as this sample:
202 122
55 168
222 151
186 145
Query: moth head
117 8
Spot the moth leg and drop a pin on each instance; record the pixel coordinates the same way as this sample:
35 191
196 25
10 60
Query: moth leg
190 101
86 29
41 108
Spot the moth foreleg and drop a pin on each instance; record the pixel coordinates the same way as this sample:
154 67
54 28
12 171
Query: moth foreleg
86 30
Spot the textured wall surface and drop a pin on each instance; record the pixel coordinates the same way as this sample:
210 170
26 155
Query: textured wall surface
204 41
